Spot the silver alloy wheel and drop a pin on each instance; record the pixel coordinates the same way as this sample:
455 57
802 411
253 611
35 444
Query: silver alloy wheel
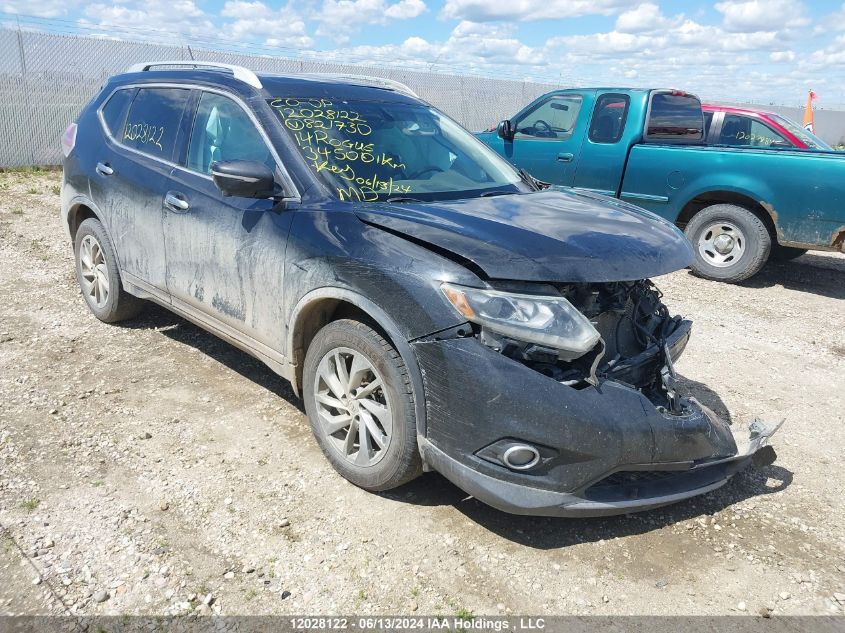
353 406
721 244
95 272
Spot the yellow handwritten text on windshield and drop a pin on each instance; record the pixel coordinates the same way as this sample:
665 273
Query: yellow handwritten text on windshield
335 140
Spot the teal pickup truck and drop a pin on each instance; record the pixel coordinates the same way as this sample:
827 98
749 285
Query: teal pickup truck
738 206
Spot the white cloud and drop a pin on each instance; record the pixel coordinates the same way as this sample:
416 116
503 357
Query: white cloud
406 9
470 45
645 18
256 22
529 10
339 19
743 16
782 56
43 9
155 20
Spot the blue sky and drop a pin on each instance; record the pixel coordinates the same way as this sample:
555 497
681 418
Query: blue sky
768 51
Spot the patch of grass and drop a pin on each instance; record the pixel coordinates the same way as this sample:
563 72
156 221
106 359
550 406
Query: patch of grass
17 211
24 169
465 614
32 191
56 190
415 591
30 504
250 594
98 483
360 598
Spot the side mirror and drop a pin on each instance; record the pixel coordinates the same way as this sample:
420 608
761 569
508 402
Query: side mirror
506 130
244 179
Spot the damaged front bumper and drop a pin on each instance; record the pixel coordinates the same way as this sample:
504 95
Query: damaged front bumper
601 450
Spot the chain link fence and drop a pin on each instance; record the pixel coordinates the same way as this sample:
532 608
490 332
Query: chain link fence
46 79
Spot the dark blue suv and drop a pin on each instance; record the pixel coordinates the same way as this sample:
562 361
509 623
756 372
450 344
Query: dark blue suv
435 307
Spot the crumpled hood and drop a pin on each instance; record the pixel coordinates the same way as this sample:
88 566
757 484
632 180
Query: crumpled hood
555 235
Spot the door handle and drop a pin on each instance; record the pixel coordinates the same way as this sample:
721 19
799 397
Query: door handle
104 169
565 157
176 202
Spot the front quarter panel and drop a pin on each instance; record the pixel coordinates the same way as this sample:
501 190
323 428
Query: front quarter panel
330 248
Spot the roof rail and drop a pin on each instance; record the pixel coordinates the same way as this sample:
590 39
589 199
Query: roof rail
377 82
239 72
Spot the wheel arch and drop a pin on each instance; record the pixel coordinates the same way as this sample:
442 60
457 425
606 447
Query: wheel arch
761 209
324 305
79 210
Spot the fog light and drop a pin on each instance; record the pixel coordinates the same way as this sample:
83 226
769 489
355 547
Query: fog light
521 457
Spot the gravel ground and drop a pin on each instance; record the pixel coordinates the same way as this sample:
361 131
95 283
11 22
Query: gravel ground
150 468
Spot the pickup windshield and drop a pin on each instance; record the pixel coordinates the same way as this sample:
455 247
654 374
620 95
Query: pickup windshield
367 151
809 139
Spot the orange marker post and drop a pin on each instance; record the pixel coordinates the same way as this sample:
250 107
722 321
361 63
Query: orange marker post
809 120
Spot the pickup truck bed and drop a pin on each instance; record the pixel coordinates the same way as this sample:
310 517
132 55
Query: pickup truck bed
801 192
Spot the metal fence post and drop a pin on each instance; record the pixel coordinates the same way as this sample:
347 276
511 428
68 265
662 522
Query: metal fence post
25 84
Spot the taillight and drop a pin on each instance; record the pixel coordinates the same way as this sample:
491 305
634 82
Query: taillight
69 139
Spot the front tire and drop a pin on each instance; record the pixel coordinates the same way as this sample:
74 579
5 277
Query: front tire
730 242
360 403
99 277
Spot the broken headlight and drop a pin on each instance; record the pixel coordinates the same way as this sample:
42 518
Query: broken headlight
544 320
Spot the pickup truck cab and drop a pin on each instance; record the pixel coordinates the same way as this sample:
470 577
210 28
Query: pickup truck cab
737 205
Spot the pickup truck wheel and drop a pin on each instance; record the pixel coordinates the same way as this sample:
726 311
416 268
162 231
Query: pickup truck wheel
99 277
360 403
785 253
730 242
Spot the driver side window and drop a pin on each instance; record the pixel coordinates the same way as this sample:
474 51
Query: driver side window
223 131
554 118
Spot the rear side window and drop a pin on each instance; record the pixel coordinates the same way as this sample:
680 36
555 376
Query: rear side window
153 120
745 131
609 118
223 131
114 109
674 117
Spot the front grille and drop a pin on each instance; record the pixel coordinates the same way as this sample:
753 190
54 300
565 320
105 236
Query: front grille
628 485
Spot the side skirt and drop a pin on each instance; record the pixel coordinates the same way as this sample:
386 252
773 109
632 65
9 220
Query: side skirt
270 357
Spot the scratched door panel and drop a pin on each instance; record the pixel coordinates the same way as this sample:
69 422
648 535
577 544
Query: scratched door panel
140 158
225 255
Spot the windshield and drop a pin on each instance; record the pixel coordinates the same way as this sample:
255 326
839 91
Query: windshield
809 139
367 151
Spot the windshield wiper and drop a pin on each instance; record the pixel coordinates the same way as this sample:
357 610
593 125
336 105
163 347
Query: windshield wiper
487 194
402 199
531 181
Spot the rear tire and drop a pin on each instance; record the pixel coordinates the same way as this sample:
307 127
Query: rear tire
368 434
730 242
786 253
99 277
